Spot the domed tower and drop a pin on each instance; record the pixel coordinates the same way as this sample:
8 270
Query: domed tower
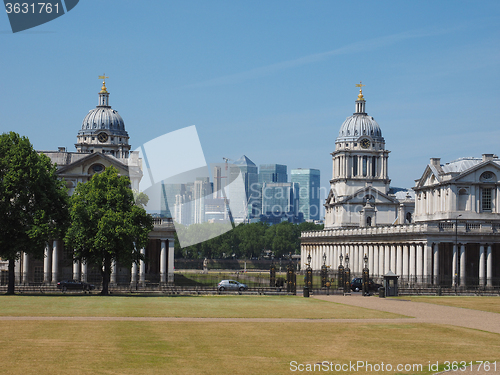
360 178
103 129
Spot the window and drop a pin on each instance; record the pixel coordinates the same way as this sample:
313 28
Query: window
408 217
355 166
369 221
486 199
462 199
365 165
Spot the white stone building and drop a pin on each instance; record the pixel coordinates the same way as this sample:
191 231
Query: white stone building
101 142
445 231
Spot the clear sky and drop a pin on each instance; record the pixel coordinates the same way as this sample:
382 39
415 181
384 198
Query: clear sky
273 80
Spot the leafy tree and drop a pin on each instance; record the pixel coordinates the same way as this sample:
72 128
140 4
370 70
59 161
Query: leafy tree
33 202
106 225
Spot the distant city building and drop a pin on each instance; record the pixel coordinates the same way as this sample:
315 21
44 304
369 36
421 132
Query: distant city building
247 204
280 202
272 173
309 192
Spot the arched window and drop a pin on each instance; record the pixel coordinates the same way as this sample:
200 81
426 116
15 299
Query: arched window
462 199
408 217
369 221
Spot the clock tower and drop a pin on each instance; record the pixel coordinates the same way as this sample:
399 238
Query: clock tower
103 130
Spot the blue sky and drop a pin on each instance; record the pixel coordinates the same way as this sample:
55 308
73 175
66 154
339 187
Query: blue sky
273 80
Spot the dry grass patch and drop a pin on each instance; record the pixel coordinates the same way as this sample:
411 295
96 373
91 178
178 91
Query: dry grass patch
121 347
490 304
185 306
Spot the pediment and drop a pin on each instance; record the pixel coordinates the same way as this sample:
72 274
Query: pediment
429 177
479 173
82 166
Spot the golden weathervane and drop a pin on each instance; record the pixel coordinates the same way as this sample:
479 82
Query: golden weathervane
360 85
103 88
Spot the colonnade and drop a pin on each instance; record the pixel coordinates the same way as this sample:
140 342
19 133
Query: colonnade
51 266
414 262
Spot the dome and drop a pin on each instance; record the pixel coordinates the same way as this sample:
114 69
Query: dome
358 125
103 118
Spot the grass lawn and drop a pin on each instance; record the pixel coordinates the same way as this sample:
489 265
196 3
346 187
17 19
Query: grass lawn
72 346
491 304
229 306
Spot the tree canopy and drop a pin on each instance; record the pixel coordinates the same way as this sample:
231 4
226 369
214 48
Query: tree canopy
33 201
106 224
245 240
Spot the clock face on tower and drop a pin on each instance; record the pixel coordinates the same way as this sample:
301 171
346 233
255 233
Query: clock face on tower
102 137
365 143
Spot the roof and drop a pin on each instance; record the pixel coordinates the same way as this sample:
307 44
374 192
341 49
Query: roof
244 161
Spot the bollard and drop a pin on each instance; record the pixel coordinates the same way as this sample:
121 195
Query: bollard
306 291
381 292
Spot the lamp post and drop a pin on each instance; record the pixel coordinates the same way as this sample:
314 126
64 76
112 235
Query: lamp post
347 276
340 279
457 253
366 276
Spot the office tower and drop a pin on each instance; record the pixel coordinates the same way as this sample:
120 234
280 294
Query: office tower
246 205
280 202
272 173
309 191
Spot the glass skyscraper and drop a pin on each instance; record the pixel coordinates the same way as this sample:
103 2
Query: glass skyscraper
309 191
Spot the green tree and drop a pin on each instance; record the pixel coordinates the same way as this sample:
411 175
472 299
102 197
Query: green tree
106 225
33 202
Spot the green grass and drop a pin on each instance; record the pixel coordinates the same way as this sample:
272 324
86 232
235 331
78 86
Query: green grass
229 306
118 347
490 304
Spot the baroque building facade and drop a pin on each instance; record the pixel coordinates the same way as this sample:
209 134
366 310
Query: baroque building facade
443 232
102 142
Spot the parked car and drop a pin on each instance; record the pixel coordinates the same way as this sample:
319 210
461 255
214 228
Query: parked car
357 285
74 285
231 285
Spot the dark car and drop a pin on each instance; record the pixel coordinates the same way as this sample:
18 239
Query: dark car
74 285
357 285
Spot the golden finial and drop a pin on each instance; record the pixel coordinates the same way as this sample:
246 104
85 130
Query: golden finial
103 88
360 96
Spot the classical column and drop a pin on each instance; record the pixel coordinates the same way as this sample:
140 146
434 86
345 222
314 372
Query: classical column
419 272
170 276
370 258
437 280
163 262
427 262
375 260
489 266
133 274
481 265
47 264
412 270
55 262
387 261
406 262
462 265
454 271
355 256
76 270
381 260
17 271
142 269
26 264
114 268
393 258
399 260
84 271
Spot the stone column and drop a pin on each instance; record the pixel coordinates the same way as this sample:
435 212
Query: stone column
76 270
163 262
412 271
387 261
84 272
427 262
17 271
393 258
55 262
462 265
47 264
170 276
114 269
399 260
375 261
26 264
419 272
406 263
454 271
142 269
133 274
481 265
437 280
381 260
370 259
355 257
489 266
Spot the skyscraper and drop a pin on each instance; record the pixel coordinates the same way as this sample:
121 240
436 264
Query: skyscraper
309 191
272 173
247 207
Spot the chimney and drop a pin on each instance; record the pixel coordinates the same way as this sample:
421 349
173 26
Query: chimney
61 149
488 157
436 162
